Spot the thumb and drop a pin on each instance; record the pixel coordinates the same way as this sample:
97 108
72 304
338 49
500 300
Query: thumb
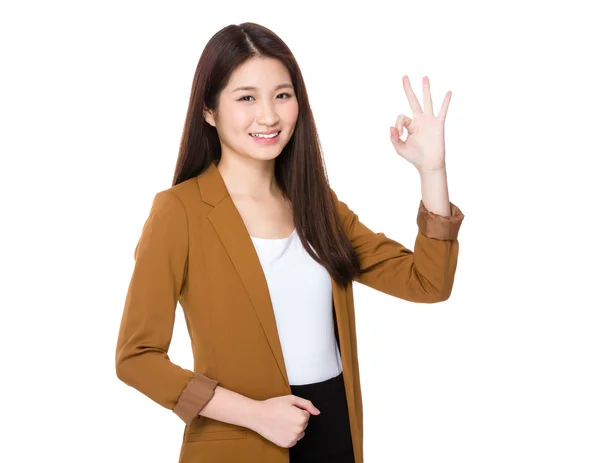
395 139
305 405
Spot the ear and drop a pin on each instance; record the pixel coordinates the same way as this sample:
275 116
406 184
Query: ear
209 117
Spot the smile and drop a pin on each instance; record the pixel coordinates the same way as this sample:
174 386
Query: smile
257 135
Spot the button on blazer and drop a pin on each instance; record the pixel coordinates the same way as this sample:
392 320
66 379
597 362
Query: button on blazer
195 250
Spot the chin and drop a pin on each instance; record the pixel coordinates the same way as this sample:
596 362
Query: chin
267 152
264 156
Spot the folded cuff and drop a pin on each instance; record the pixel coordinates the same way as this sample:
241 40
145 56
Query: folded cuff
194 397
437 226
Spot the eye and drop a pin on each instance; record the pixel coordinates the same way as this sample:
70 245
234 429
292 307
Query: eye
249 96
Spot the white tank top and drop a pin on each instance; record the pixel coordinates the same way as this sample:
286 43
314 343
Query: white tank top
301 295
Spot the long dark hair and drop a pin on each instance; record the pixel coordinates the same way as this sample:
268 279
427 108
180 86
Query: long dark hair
299 170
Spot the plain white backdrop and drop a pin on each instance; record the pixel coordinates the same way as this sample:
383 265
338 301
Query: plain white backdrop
93 99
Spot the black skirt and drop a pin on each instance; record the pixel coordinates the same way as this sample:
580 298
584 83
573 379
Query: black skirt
327 435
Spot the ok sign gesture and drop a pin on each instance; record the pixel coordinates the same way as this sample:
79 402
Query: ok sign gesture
424 146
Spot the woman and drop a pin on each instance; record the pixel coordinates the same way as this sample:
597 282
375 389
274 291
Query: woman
261 255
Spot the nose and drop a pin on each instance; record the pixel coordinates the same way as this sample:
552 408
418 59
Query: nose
267 114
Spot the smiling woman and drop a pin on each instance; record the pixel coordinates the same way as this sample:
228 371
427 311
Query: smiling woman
261 254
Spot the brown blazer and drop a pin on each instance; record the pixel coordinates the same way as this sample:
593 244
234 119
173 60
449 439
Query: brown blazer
195 249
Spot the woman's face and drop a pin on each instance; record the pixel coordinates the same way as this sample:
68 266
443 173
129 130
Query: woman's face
271 105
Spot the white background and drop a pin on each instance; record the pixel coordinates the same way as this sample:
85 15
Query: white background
93 99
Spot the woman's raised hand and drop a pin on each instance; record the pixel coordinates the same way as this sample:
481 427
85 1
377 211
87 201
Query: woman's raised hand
424 146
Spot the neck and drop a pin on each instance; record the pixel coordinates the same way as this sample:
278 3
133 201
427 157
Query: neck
248 177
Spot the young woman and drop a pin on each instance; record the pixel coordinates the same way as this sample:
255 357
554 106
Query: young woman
261 255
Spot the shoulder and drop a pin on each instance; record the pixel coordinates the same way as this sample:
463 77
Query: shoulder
181 198
182 191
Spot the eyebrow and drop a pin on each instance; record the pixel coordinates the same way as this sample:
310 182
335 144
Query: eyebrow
254 88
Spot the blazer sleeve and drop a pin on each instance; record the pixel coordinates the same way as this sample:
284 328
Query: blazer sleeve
423 275
148 317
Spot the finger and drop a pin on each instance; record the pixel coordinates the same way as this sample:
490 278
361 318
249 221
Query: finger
403 121
444 108
395 139
427 103
306 404
306 416
412 98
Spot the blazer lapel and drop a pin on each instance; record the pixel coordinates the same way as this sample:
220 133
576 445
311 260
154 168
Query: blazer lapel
232 231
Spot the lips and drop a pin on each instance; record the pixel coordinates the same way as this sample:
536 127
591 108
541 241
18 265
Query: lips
266 141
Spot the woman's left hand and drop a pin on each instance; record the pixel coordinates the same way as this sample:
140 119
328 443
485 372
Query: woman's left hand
424 146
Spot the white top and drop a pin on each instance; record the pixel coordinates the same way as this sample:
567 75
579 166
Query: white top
301 295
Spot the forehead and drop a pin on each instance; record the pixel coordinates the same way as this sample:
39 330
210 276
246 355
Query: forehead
259 72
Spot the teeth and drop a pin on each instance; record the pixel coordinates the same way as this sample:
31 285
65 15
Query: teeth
258 135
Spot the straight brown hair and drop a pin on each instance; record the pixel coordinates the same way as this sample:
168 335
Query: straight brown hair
299 169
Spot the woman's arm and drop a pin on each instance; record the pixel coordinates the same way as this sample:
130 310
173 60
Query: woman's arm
231 407
423 275
141 357
434 192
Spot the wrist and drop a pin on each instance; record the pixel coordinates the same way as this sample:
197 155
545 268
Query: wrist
441 170
253 417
